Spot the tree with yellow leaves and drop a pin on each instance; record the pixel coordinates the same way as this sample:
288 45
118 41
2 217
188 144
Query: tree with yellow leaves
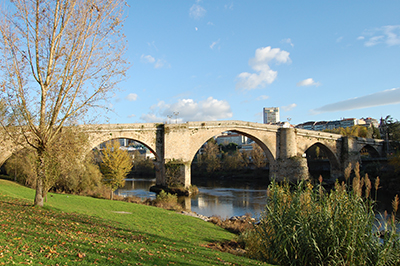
116 164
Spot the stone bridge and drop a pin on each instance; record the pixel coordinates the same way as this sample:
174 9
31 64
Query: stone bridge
285 148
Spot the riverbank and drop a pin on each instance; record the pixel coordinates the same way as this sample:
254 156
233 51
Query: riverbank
73 229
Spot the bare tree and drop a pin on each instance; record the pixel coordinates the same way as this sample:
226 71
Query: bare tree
209 158
258 156
59 58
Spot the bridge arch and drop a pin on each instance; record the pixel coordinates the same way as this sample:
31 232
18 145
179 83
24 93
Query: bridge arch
326 149
265 146
94 144
96 139
5 155
325 154
369 151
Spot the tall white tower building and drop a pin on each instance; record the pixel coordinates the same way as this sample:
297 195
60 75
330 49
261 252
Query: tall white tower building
271 115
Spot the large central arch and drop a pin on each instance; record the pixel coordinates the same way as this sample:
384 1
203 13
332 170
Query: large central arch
191 136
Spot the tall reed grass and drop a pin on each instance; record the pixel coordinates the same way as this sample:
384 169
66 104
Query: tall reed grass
306 225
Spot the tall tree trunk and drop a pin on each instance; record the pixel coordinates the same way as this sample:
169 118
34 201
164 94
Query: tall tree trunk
40 174
39 189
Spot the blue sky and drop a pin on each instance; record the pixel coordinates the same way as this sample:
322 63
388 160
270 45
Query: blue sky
226 60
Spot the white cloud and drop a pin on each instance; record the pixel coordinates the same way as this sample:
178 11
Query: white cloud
260 63
131 97
339 39
308 82
151 118
189 110
386 97
262 97
230 6
159 63
214 43
374 41
147 59
289 41
389 35
131 116
197 11
152 45
289 107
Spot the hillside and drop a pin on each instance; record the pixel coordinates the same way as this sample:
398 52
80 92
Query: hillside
73 229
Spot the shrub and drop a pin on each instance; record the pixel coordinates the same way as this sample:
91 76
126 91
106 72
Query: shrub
167 201
235 226
309 226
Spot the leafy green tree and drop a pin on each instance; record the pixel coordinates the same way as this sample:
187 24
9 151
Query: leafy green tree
355 131
68 167
395 161
21 167
373 133
59 60
390 128
142 165
390 131
115 166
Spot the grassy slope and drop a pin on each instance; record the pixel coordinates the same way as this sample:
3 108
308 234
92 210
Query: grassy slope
71 229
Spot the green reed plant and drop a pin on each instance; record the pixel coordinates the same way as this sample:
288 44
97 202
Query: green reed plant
306 225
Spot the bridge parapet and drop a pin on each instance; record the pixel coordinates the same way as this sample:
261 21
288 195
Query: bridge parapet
232 124
317 134
120 127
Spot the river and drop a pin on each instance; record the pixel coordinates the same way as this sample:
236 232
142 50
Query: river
221 196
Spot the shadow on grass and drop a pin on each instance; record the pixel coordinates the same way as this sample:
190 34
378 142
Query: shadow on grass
33 235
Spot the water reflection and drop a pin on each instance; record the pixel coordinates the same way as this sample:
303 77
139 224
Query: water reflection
138 187
218 196
224 197
227 202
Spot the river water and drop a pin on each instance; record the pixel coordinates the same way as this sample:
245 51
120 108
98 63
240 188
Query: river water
222 196
218 196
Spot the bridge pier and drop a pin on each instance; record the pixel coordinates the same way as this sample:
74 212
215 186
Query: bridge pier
185 174
292 169
160 173
177 173
350 153
335 173
290 165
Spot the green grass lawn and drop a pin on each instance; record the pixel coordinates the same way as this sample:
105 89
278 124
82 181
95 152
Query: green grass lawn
72 230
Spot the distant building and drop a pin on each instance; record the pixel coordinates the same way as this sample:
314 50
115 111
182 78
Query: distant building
349 122
271 115
345 122
307 125
320 126
333 124
229 137
371 122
